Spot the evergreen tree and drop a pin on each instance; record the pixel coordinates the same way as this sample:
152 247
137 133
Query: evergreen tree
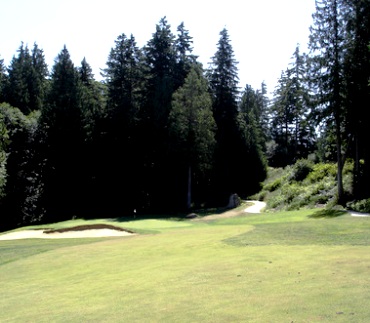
231 167
20 184
263 113
91 99
93 159
61 122
160 61
357 73
253 139
3 143
253 108
291 129
37 79
184 57
27 79
17 92
3 80
327 43
192 130
124 96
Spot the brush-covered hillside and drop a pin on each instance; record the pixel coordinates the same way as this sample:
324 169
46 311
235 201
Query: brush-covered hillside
307 185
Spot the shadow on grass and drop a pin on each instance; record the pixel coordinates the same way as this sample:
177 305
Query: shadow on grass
327 213
175 216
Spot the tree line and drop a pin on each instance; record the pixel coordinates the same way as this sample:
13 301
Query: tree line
158 134
161 133
322 99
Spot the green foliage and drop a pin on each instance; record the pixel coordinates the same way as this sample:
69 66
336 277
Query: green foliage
301 169
3 142
360 206
26 86
237 132
192 129
272 186
304 184
322 171
22 188
191 121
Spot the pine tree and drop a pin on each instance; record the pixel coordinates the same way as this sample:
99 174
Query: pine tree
253 107
192 132
37 79
27 83
327 43
184 57
253 139
160 63
21 190
357 73
231 174
3 80
161 60
291 129
123 78
17 92
61 121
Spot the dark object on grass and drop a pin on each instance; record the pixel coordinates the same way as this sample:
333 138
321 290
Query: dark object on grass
234 201
191 216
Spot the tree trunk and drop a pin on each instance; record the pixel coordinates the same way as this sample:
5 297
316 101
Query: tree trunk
189 189
340 163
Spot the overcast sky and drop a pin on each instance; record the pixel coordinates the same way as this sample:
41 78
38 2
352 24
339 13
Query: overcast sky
263 33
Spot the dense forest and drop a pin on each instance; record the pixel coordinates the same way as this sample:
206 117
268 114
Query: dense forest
162 133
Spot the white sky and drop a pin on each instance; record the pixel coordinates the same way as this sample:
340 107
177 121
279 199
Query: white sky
263 33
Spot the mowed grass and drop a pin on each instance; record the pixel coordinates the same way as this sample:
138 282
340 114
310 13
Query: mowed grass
272 267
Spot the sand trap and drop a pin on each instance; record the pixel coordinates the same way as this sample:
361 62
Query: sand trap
39 234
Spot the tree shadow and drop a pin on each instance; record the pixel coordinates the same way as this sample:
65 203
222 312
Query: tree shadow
327 213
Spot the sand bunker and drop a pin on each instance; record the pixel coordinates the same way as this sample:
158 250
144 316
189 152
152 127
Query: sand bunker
90 231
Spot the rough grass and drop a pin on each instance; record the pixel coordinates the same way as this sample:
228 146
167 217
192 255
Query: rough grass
276 267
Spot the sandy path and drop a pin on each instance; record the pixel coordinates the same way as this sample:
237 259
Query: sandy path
256 207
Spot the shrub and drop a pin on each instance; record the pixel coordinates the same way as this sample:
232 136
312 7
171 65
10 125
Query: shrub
276 202
360 206
321 171
301 169
273 185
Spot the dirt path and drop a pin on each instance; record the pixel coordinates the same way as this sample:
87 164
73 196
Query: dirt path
256 207
353 213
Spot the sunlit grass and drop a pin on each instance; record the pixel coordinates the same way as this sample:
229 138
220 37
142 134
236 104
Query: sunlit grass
278 267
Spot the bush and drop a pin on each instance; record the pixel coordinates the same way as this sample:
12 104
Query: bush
306 184
273 185
360 206
321 171
301 169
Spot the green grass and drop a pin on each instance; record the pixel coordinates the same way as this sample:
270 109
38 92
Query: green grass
299 266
